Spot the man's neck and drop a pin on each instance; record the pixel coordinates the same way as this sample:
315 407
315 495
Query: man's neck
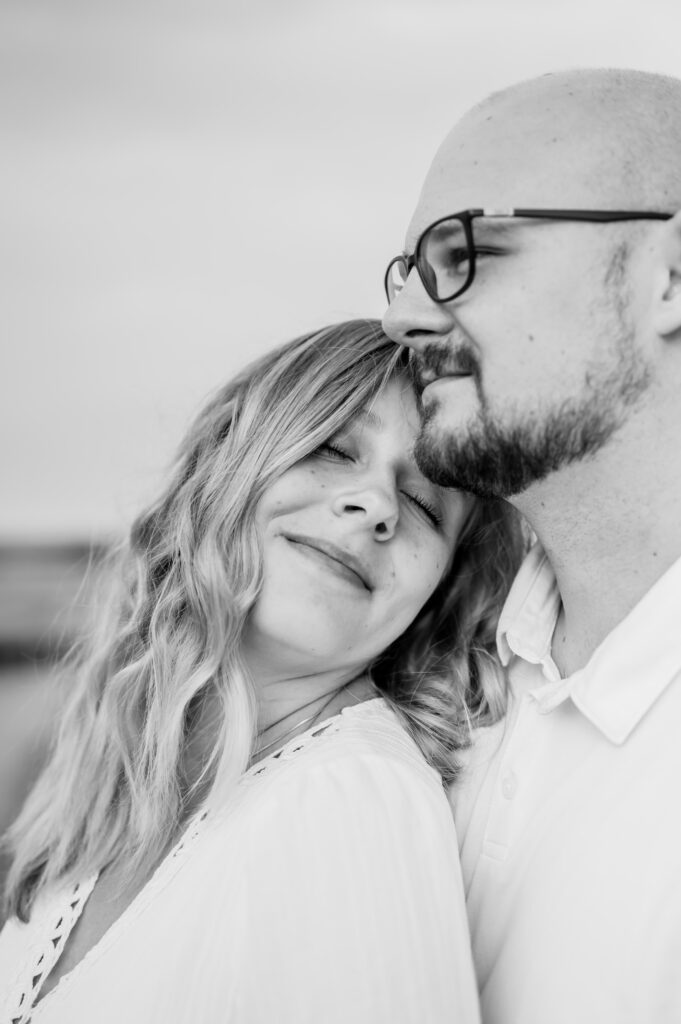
609 535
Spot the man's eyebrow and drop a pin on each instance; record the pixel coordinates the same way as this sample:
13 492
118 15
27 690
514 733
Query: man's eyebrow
486 225
494 227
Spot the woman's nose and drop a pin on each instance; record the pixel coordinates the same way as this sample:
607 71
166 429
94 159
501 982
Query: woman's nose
375 506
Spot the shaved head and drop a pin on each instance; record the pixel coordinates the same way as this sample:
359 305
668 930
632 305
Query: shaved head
607 138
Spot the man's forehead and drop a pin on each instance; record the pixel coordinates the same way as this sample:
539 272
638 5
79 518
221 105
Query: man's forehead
478 165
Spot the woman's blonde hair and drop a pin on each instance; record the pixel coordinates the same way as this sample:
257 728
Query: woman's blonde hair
167 636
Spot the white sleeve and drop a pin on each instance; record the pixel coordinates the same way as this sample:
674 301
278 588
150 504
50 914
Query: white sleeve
355 903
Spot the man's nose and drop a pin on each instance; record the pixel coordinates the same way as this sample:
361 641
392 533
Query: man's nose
413 318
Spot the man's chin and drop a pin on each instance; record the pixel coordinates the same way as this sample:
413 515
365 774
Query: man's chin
442 467
494 462
474 458
437 453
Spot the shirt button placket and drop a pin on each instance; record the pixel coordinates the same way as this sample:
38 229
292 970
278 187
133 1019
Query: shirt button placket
509 783
501 824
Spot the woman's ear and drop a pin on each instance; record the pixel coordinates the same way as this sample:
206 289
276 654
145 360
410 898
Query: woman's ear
667 298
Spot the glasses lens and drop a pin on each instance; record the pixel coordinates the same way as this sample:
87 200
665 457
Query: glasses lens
444 259
395 277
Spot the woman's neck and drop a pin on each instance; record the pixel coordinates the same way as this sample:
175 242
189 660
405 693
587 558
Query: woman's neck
286 707
299 716
281 693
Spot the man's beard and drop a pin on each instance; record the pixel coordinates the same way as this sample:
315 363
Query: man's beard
495 457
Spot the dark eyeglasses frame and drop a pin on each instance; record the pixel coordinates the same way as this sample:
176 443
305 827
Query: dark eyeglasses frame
466 218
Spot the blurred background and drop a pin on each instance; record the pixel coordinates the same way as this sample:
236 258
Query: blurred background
183 187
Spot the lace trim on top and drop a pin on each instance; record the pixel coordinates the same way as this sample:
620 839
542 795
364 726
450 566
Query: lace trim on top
45 952
44 958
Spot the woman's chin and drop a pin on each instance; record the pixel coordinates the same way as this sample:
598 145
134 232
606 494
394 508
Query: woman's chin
303 639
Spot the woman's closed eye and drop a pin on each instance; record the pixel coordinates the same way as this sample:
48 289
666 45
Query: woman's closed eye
331 450
424 507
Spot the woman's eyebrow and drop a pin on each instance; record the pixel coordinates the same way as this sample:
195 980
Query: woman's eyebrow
370 418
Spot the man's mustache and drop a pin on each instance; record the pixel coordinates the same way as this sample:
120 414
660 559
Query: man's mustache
435 360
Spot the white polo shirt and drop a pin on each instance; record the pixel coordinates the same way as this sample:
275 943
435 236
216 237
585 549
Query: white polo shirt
569 820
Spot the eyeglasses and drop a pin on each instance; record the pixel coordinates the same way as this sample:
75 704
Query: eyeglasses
444 255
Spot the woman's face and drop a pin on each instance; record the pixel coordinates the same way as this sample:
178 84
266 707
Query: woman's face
355 540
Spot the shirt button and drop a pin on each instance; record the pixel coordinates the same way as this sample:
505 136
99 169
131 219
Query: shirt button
509 785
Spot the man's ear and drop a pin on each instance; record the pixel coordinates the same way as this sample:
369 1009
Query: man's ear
667 298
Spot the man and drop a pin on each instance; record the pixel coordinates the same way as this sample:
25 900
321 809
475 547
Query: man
549 344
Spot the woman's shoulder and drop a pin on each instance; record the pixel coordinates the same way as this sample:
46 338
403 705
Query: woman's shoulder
359 759
361 736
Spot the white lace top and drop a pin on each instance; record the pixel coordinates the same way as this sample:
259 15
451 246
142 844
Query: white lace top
327 890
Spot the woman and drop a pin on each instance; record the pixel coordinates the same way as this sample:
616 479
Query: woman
243 819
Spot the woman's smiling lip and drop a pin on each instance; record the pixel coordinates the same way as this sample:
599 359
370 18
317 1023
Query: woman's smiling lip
354 568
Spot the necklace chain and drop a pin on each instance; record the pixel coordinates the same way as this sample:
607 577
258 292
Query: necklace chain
273 725
285 735
297 725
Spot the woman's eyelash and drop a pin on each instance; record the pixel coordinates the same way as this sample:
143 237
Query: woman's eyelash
329 448
425 506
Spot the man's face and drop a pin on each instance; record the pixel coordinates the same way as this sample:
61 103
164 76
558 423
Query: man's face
537 364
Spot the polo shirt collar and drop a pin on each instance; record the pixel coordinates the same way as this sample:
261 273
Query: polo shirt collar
627 672
530 613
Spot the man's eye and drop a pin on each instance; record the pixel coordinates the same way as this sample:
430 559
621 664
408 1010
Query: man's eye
457 258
